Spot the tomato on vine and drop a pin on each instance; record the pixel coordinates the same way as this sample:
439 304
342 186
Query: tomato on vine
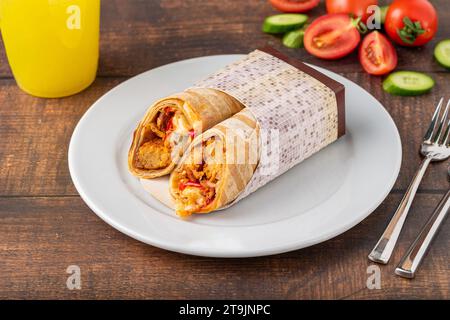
411 22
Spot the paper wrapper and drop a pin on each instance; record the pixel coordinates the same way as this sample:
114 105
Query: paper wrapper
299 110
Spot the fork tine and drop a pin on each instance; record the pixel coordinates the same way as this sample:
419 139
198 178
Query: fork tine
430 130
446 137
437 136
444 141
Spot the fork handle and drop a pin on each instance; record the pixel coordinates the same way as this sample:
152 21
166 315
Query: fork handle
382 251
413 257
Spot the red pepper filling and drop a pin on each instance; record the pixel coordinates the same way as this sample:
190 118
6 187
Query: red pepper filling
208 192
169 114
184 185
204 177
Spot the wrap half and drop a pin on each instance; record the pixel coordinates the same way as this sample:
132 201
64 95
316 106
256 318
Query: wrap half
217 166
170 125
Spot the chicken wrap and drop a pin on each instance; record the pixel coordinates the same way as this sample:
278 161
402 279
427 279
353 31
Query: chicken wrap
170 125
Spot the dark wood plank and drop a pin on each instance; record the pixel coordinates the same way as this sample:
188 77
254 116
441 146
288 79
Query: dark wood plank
41 237
35 138
140 35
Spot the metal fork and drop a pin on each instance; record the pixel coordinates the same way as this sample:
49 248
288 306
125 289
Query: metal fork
410 262
435 147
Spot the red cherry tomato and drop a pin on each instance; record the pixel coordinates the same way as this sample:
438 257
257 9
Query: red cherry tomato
356 7
294 5
331 36
411 22
377 55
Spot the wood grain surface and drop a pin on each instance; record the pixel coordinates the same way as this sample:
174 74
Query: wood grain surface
45 226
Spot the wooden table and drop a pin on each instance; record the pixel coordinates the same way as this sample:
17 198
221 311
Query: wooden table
45 226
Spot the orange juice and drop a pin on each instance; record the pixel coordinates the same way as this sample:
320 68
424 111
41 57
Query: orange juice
52 45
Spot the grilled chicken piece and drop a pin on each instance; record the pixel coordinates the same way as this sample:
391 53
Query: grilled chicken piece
156 152
153 155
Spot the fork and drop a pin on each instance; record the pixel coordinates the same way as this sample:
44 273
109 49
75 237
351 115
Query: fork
410 262
434 148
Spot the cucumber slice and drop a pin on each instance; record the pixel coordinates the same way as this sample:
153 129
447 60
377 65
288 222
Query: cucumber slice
408 83
294 39
281 23
442 53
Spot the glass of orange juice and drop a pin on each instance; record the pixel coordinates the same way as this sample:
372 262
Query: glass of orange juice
52 45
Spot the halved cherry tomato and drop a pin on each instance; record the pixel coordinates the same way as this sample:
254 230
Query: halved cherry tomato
377 55
294 5
331 36
356 7
411 22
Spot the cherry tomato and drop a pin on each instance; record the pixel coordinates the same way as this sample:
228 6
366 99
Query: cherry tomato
411 22
377 55
356 7
294 5
331 36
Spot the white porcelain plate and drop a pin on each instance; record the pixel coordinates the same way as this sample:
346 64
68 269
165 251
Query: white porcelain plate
319 199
